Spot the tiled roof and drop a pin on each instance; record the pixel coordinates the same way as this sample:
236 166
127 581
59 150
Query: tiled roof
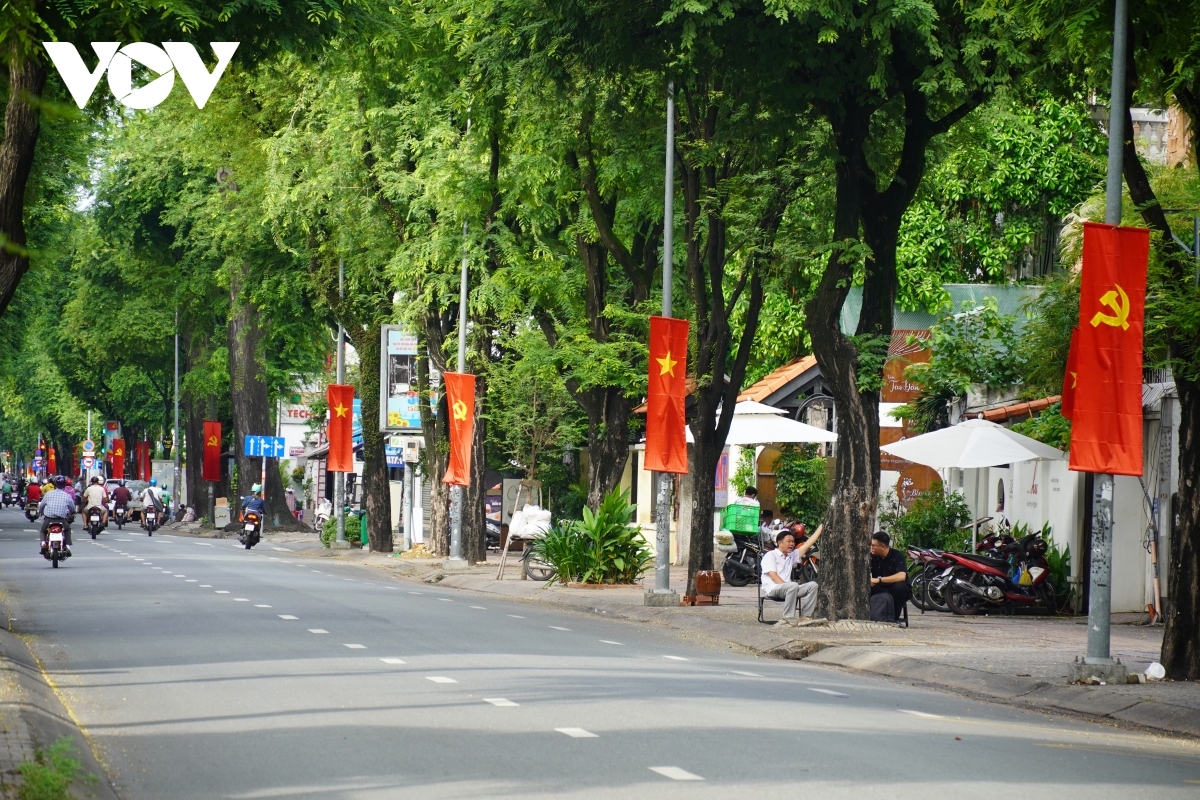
778 379
1008 412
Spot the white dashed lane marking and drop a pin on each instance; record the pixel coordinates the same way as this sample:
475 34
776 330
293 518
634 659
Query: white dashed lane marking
557 628
500 701
676 658
921 714
317 630
676 773
221 591
829 692
257 605
577 733
287 616
747 674
356 646
516 616
609 641
440 679
392 661
481 608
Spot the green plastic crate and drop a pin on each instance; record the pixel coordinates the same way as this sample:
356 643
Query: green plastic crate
741 519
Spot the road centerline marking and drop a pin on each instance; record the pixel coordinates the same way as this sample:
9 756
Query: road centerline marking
286 616
557 628
676 773
317 630
577 733
677 658
440 679
355 646
392 661
500 702
829 692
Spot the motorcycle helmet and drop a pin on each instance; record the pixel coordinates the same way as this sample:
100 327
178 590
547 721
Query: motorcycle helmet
121 482
256 488
60 481
154 481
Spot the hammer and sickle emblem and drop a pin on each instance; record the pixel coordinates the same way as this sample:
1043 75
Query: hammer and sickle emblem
212 441
1118 301
460 410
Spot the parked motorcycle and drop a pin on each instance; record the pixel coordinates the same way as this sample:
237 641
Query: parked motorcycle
54 548
926 577
535 569
94 523
492 534
741 568
251 529
31 511
1014 574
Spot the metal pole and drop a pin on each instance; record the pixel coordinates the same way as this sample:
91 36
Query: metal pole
1100 593
339 481
178 474
408 505
456 492
662 521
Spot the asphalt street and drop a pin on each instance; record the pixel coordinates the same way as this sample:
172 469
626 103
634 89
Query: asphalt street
200 670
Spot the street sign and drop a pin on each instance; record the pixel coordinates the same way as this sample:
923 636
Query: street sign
265 447
89 446
87 462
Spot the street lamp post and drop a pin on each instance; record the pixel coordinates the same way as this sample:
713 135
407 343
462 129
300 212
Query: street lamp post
456 560
339 490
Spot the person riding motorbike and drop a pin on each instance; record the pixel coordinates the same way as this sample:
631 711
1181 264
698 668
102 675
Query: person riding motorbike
57 506
254 501
95 496
7 490
33 492
152 498
121 496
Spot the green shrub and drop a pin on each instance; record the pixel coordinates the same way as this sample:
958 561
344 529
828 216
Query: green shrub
605 547
932 520
329 531
801 484
50 775
743 473
1050 427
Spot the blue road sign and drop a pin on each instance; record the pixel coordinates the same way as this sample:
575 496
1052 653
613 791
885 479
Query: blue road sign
265 447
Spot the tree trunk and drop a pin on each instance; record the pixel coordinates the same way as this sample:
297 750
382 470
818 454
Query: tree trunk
474 524
1181 644
22 123
250 401
608 412
437 442
377 496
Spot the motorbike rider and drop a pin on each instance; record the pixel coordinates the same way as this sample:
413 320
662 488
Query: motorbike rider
57 506
254 501
95 496
121 495
6 487
33 492
152 496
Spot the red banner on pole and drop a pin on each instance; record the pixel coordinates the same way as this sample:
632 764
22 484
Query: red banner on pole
1071 378
666 438
1106 433
52 463
144 468
460 400
117 454
341 427
211 467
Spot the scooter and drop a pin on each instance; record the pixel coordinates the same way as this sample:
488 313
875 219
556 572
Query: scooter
54 548
119 515
31 511
1022 580
9 499
251 529
94 524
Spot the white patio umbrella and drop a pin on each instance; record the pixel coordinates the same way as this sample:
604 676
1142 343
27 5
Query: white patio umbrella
975 444
757 423
970 445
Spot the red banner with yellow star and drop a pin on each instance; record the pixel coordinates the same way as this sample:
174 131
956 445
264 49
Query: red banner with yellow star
666 439
117 453
1071 378
1106 418
210 469
341 427
460 400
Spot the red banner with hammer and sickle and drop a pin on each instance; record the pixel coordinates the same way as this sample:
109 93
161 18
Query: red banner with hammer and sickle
460 400
341 427
666 396
118 458
211 468
1106 433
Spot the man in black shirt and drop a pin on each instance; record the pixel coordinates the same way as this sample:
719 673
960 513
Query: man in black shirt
889 579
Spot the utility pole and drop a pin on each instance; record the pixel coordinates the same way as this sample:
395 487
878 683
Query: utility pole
339 481
1099 661
176 493
663 594
456 561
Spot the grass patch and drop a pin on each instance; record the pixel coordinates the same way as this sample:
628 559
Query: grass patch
50 775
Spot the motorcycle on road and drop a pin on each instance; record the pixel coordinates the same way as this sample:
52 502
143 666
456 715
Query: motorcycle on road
118 514
31 511
54 547
94 522
251 529
150 519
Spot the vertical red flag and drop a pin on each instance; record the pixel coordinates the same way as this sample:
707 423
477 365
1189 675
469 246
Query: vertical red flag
1106 433
118 458
52 462
1071 378
666 440
460 400
144 468
341 427
211 467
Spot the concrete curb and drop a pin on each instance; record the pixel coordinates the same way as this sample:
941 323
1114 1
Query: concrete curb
43 719
1086 701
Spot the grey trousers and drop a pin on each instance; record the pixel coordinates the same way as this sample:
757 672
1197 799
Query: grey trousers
792 592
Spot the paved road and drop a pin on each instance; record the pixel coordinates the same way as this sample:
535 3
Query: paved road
200 670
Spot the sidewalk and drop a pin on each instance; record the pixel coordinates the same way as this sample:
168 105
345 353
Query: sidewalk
1020 660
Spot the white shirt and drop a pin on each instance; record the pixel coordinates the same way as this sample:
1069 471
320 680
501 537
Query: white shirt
777 562
150 494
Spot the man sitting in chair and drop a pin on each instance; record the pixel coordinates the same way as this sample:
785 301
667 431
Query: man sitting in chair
777 580
889 579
